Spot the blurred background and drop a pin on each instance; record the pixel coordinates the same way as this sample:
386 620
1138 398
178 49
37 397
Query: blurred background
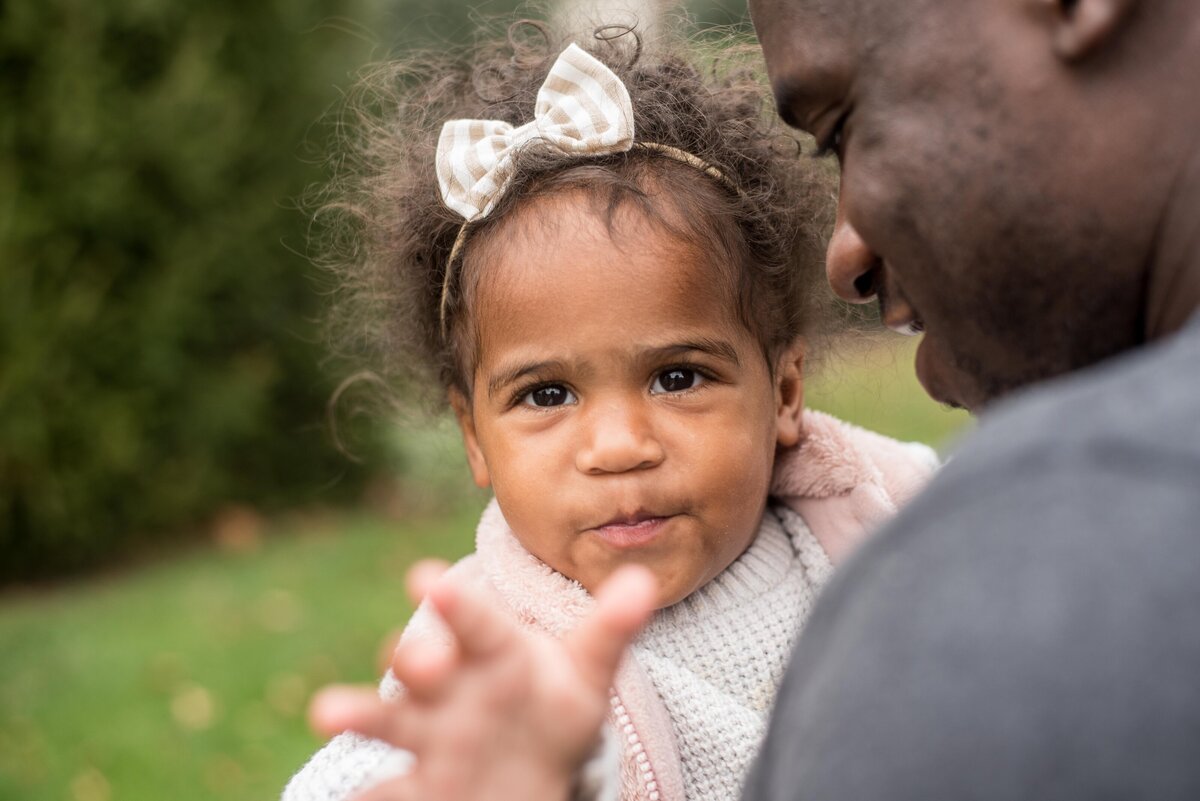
184 553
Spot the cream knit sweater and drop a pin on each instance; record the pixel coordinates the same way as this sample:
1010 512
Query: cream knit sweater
717 657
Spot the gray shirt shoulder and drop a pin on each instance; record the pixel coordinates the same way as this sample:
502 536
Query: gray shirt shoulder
1029 627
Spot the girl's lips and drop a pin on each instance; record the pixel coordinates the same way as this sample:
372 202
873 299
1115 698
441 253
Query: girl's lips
632 533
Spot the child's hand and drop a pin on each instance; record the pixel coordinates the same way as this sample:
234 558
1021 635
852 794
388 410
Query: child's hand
505 714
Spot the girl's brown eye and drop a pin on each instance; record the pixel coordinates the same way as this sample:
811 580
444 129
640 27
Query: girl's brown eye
550 395
676 379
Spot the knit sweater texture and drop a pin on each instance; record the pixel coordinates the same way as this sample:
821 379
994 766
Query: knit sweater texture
717 657
691 702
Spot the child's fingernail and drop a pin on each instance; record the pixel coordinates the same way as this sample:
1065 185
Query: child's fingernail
330 707
422 576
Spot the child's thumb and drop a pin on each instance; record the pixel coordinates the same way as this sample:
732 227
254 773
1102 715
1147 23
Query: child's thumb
623 604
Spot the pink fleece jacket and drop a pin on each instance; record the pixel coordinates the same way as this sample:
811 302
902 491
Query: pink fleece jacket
843 480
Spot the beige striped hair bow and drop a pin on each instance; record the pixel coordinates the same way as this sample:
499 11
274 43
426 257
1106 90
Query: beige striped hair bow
582 107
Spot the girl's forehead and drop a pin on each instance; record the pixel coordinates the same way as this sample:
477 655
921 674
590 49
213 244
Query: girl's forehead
550 233
620 279
578 251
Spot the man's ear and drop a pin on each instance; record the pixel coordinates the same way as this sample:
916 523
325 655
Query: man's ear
789 395
466 424
1081 27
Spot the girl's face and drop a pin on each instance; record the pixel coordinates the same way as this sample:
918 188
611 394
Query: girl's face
620 411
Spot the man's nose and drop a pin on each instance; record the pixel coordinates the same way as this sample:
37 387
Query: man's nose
850 265
619 436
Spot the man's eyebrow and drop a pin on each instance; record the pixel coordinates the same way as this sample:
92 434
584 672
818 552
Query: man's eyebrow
519 370
713 347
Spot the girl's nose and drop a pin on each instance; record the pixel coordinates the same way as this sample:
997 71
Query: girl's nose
853 269
619 439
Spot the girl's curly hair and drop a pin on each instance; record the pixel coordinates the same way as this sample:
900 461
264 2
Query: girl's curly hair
389 235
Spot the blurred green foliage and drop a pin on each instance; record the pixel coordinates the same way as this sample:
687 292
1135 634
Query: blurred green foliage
158 347
720 13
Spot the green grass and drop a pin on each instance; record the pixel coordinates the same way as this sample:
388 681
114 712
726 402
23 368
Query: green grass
188 678
872 383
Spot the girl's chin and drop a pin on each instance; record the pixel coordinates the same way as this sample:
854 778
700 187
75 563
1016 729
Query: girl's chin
669 596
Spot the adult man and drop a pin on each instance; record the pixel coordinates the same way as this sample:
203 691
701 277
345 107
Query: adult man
1021 181
1025 178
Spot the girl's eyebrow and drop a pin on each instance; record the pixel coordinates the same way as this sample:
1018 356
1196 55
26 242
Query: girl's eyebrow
718 348
518 371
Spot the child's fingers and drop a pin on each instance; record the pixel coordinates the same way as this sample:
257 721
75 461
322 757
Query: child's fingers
479 627
417 785
402 788
337 709
422 576
456 781
424 668
623 603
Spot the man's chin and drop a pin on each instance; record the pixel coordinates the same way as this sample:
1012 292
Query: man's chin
960 381
940 379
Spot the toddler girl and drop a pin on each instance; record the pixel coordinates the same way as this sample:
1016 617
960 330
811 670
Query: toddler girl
609 265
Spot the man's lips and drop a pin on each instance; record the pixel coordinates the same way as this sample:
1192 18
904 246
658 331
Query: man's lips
631 531
896 312
900 317
908 327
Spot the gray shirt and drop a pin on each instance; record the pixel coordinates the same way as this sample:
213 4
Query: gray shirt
1029 627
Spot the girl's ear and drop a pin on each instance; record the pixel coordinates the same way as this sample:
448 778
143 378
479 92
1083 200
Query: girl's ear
466 424
789 395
